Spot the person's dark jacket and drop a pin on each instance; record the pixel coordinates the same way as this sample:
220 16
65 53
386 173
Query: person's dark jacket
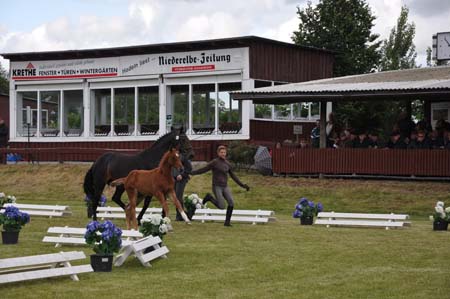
3 135
357 143
400 144
416 144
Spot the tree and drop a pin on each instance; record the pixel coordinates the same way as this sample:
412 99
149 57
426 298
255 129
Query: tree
4 82
343 26
399 52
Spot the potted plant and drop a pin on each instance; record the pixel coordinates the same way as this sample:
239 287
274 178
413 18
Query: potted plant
105 239
306 210
12 220
88 202
191 203
156 226
440 216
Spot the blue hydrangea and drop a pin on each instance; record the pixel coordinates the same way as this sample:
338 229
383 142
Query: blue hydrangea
306 208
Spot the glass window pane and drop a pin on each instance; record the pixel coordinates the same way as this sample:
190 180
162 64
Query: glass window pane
50 107
300 110
148 115
123 111
263 111
26 113
73 116
180 101
315 110
101 107
203 108
282 111
230 111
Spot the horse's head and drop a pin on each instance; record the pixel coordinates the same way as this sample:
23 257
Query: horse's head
172 159
184 145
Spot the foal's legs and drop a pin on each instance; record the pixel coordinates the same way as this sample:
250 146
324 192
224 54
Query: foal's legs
179 207
162 200
130 210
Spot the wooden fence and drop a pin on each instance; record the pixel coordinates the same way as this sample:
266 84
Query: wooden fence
430 163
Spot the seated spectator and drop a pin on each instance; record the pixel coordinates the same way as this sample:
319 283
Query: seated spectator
421 142
405 125
424 125
436 141
303 143
315 135
395 141
413 136
446 140
373 140
361 141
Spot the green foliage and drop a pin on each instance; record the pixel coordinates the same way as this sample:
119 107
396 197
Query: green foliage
343 26
399 52
74 120
4 82
241 153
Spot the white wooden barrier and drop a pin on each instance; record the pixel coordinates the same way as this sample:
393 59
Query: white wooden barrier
42 266
75 236
360 219
252 216
118 212
42 210
138 249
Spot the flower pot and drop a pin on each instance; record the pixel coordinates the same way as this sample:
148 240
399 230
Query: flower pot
10 237
101 263
306 220
440 225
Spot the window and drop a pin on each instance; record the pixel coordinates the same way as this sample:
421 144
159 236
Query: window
26 113
203 108
73 116
50 107
179 97
101 109
263 111
230 111
123 111
148 114
300 110
282 111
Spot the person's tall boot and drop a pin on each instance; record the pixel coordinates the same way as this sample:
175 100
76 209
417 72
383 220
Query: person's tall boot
228 217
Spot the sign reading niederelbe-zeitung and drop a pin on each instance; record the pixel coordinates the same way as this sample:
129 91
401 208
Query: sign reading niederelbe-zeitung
196 61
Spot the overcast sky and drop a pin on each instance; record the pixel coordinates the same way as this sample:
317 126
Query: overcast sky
48 25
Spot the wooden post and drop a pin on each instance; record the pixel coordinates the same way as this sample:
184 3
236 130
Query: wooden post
323 124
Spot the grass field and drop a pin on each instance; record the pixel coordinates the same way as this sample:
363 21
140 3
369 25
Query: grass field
278 260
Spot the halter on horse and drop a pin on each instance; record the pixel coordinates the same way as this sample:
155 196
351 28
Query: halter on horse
111 166
158 182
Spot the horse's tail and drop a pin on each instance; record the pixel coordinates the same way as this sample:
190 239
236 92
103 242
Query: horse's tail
88 184
118 182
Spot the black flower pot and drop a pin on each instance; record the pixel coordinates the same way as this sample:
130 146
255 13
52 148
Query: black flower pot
190 214
440 225
101 263
306 220
10 237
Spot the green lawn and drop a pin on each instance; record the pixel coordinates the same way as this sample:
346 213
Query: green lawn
278 260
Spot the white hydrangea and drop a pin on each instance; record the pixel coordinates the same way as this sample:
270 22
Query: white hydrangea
194 201
155 219
2 194
166 220
198 206
146 219
163 229
440 204
11 198
431 218
440 210
447 210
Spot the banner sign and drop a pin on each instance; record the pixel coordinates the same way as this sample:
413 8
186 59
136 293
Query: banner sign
196 61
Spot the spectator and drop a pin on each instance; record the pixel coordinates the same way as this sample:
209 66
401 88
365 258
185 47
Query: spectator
331 130
446 140
424 125
361 141
373 140
3 138
421 142
396 142
315 135
436 141
405 125
413 136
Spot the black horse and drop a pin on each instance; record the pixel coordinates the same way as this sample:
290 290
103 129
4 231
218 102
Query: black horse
111 166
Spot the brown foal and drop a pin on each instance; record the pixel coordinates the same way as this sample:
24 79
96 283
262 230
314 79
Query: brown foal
156 182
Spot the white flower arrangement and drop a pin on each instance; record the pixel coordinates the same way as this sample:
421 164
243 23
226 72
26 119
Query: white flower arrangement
193 202
440 213
155 225
6 199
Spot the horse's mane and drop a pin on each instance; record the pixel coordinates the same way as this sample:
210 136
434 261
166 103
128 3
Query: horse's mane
163 138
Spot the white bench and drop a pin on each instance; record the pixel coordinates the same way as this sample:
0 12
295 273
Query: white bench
42 210
118 212
75 236
359 219
252 216
138 247
42 266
